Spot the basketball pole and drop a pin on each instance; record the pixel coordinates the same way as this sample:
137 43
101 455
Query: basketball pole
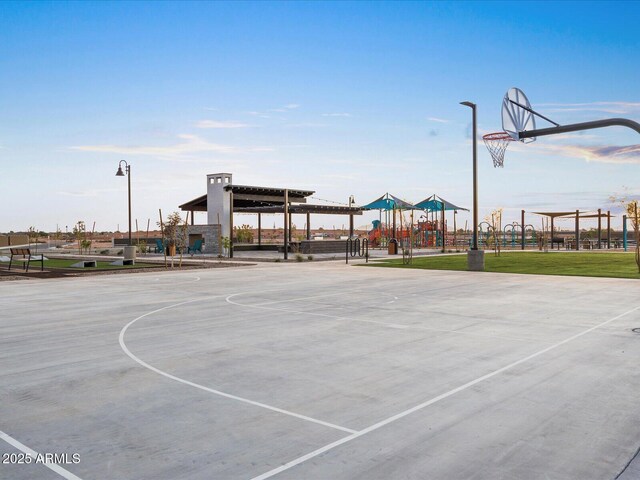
475 257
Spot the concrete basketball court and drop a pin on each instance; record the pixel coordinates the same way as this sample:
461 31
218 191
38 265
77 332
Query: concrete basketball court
320 371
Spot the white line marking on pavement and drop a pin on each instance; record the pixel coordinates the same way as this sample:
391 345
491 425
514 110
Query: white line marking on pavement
298 299
350 319
400 415
211 390
23 448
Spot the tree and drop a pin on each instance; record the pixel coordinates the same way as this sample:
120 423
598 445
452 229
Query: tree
633 214
80 234
632 209
175 231
495 221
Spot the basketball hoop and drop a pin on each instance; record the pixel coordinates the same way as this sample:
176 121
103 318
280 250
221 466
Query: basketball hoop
497 144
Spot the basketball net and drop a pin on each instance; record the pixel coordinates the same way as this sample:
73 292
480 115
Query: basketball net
497 144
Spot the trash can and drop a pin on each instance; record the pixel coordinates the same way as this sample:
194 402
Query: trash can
392 247
130 252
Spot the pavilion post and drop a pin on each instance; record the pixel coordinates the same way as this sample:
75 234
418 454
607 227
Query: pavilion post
231 224
608 229
444 230
259 229
552 234
577 229
192 221
394 221
522 228
351 226
599 227
290 225
286 224
308 226
454 229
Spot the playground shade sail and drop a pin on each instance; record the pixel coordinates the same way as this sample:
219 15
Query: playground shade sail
435 203
389 202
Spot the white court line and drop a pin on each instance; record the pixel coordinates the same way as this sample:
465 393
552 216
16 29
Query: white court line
400 415
211 390
23 448
297 299
376 322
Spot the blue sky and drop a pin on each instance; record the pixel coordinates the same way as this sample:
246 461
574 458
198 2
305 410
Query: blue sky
342 98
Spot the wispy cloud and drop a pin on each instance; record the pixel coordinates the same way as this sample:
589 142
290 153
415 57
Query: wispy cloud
220 124
605 107
88 193
306 125
287 107
259 114
190 144
597 153
438 120
85 193
336 114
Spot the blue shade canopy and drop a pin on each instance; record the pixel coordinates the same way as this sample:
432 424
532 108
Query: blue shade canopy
435 204
389 202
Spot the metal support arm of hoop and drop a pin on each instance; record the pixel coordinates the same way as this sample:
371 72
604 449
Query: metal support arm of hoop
575 127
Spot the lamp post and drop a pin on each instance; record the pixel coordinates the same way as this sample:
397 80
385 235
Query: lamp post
475 257
120 173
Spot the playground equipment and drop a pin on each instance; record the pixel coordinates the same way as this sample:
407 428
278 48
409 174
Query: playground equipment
511 235
433 205
511 229
429 232
389 204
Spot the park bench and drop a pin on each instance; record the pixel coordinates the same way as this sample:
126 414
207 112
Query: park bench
25 256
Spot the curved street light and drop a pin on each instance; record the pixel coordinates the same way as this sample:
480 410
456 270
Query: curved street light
120 173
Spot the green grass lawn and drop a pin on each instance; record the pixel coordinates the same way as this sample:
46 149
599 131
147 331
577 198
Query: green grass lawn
54 263
586 264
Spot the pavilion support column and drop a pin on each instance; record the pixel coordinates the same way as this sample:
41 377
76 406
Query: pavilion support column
259 229
308 226
577 229
599 228
350 226
192 222
608 229
444 230
286 224
552 235
290 225
394 222
522 238
231 224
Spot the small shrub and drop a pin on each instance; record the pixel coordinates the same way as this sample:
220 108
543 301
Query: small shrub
244 234
104 252
299 257
120 252
310 257
277 260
